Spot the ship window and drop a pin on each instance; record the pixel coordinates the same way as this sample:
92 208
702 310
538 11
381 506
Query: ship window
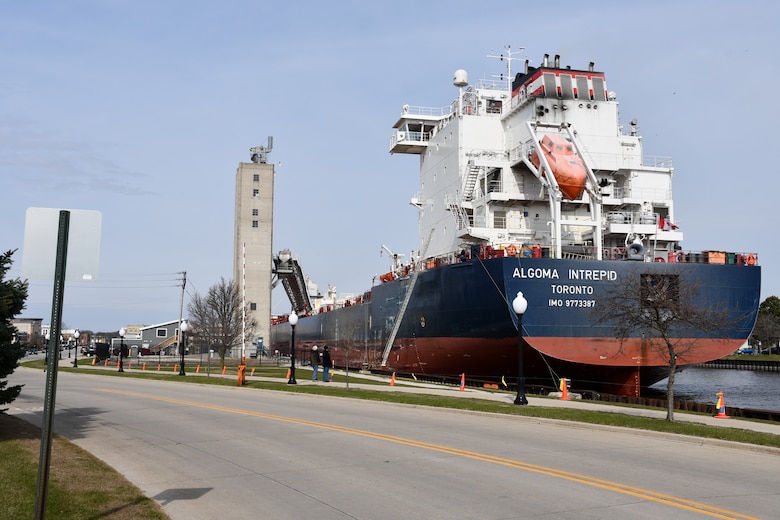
255 192
255 223
252 306
255 212
494 107
659 288
256 177
162 333
499 219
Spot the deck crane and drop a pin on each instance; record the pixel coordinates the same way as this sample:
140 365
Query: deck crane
396 259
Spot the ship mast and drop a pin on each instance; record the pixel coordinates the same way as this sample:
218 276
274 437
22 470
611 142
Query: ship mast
509 58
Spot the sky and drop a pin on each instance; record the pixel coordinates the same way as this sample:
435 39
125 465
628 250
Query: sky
142 110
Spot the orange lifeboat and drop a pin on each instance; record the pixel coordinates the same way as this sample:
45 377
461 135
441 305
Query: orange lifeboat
567 166
387 277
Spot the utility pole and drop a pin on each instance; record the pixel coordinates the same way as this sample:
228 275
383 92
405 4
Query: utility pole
181 308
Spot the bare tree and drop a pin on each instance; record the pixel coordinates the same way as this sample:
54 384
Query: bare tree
201 317
348 343
217 317
666 312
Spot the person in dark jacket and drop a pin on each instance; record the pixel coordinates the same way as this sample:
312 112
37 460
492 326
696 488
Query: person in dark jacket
327 364
315 362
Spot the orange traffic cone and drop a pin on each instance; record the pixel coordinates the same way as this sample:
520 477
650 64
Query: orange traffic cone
252 372
564 389
175 368
93 361
288 374
392 379
106 363
159 367
721 406
224 369
197 370
462 382
144 367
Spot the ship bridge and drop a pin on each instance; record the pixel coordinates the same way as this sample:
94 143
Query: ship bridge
415 128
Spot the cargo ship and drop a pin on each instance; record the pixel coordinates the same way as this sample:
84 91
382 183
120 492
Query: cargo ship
528 183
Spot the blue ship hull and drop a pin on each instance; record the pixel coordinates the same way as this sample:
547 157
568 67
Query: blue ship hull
459 319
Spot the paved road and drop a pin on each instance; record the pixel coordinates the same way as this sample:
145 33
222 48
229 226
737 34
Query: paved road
214 452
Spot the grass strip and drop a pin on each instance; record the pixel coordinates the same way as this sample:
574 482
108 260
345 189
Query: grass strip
81 486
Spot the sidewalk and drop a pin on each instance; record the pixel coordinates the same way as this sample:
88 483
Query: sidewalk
417 387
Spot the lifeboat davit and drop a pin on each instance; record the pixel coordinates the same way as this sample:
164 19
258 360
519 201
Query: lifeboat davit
567 166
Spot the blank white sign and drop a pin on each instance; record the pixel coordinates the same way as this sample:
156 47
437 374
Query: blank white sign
41 229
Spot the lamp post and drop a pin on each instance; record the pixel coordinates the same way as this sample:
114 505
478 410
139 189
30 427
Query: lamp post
183 327
76 334
519 305
122 333
293 319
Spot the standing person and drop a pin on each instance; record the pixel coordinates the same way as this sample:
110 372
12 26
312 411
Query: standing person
327 364
315 362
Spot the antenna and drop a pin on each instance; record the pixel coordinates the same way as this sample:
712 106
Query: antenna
508 57
260 153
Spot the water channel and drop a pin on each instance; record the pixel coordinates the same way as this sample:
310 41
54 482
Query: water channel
741 388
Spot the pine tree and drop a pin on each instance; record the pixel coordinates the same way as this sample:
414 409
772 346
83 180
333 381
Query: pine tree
13 294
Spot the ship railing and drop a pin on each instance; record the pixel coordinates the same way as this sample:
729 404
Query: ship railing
492 187
425 111
631 217
619 192
417 136
492 84
576 256
625 161
656 161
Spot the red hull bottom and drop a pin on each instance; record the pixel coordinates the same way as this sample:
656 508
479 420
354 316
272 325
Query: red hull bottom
495 361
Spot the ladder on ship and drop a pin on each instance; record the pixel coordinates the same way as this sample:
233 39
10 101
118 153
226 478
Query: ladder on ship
407 297
470 182
289 272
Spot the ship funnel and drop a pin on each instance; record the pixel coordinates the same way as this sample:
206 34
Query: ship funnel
557 61
590 66
461 78
546 59
526 66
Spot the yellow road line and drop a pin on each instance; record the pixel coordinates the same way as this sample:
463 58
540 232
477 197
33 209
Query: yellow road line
644 494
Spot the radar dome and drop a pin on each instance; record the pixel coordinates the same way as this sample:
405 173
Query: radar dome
461 78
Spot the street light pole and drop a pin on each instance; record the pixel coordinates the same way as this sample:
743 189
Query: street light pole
520 305
293 319
122 333
183 327
76 334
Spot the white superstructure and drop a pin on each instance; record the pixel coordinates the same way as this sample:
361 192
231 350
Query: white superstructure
478 185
